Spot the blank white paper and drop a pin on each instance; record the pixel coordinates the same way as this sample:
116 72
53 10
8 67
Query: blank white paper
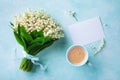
86 32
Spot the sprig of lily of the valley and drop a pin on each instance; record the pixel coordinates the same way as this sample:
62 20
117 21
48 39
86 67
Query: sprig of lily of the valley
72 14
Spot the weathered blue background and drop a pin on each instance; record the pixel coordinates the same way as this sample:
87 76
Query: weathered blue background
106 64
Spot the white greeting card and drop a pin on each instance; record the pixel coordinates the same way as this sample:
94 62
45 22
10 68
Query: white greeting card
87 31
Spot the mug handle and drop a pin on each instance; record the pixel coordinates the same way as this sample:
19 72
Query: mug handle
89 63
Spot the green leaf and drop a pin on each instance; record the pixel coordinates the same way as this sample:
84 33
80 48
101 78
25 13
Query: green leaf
40 33
18 29
47 44
39 39
39 44
33 34
21 41
24 44
36 34
48 38
18 38
25 35
11 24
42 47
32 48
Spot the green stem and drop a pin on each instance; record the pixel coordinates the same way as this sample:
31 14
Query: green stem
26 65
75 17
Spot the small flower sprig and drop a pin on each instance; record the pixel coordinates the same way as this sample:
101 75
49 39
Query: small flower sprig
100 47
73 14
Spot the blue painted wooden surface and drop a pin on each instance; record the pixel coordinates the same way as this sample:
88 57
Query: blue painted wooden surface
106 64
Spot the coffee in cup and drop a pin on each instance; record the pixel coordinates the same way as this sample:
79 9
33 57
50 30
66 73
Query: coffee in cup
77 55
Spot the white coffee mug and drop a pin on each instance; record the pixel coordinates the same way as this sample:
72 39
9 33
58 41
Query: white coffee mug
81 63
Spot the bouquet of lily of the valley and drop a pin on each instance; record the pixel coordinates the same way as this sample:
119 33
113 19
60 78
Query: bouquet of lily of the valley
35 31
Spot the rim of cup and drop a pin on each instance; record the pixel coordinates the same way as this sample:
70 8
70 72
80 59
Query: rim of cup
81 63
